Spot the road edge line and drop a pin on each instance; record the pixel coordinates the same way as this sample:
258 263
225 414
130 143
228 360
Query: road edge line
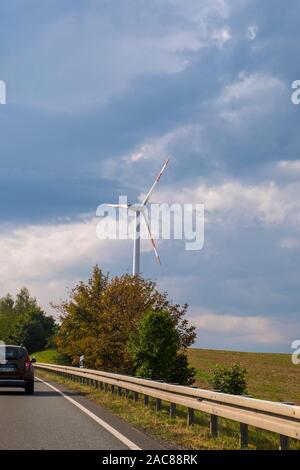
131 445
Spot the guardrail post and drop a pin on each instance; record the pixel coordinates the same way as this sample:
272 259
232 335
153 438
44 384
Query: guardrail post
146 400
214 425
112 389
190 417
120 391
105 387
158 404
172 410
136 396
243 435
284 442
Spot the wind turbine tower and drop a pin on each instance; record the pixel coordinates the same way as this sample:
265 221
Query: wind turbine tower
139 209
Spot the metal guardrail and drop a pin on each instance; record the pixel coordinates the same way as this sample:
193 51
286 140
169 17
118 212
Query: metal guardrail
279 418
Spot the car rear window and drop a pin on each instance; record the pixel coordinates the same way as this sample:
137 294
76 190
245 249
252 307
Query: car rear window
12 352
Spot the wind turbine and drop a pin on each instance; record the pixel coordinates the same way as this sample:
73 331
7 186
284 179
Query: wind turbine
139 209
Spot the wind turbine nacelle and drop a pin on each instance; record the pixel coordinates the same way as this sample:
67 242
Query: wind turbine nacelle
136 207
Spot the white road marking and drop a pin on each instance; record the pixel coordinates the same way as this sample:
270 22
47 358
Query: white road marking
98 420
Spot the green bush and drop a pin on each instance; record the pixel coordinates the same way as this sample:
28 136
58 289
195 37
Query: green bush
156 350
229 379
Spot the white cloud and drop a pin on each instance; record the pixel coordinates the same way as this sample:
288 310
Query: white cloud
45 251
289 167
154 151
266 203
48 258
160 147
251 32
290 243
221 36
257 329
249 96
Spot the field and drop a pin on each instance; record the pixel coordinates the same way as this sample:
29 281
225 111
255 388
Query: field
270 376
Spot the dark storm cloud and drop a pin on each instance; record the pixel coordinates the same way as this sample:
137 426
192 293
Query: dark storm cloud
92 84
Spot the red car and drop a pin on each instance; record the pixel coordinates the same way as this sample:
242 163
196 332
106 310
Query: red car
16 368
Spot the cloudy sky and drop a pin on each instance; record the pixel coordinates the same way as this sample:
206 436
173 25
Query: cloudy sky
98 94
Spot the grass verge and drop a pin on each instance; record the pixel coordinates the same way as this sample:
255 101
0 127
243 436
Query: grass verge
172 432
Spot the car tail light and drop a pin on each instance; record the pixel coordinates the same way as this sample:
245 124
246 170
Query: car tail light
27 361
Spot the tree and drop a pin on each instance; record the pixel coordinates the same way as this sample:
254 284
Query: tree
155 350
22 321
33 329
7 317
100 315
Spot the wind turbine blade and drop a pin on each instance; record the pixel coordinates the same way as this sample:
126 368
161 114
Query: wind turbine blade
151 238
122 206
155 183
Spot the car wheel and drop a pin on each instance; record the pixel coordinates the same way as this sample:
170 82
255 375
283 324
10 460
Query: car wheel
29 388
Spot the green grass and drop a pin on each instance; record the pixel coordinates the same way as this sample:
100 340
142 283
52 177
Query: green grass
270 376
172 432
50 356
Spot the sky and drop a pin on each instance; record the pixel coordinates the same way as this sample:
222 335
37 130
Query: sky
98 94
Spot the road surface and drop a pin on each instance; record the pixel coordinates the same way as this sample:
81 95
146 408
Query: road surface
51 420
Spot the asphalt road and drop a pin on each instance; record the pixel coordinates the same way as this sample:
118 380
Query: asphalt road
48 420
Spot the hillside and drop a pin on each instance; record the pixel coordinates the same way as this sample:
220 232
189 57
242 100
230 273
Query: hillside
271 376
